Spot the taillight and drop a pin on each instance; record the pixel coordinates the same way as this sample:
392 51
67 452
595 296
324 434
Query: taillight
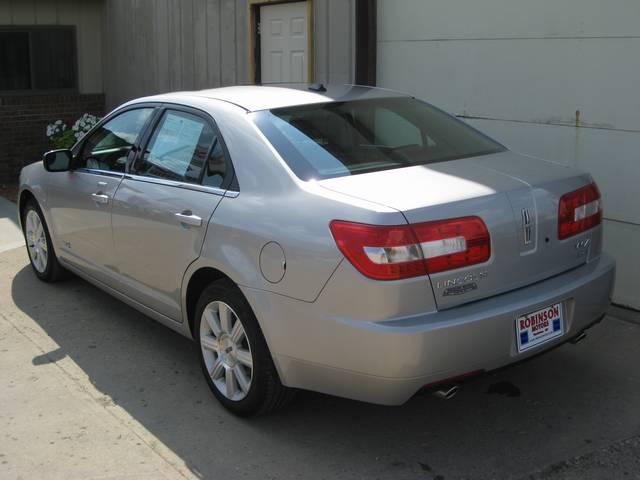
578 211
380 252
455 243
404 251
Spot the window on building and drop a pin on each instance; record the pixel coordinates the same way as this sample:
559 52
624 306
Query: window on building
37 58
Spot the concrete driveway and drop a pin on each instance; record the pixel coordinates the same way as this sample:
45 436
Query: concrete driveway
89 388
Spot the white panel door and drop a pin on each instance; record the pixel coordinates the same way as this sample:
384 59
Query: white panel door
284 52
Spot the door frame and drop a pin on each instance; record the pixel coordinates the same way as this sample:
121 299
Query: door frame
255 65
366 28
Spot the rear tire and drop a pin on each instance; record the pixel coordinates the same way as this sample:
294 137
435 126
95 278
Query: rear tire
233 353
39 245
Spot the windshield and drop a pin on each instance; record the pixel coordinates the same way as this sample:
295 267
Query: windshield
348 138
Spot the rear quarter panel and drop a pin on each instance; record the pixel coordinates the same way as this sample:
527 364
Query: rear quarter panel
274 206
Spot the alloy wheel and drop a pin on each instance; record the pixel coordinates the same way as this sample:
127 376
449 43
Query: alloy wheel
226 350
36 241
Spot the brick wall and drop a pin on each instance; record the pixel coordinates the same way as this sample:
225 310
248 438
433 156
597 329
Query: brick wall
23 123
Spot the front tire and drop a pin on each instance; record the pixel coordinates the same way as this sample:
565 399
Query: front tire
39 245
234 356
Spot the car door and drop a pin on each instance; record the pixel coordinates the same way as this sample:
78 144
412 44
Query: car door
80 200
163 205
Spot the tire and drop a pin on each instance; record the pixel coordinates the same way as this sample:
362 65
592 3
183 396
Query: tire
225 351
39 246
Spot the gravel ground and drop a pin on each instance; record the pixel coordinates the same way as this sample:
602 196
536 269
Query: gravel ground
620 460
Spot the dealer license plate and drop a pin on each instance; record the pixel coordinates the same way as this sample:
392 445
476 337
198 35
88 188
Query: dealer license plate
539 327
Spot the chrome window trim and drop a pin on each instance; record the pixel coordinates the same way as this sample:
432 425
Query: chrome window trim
97 171
161 181
188 186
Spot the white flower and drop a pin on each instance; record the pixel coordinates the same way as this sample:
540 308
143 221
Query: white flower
85 123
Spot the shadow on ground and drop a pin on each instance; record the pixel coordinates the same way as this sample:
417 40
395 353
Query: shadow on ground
571 401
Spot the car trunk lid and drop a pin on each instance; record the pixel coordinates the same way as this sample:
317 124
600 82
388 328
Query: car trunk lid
517 198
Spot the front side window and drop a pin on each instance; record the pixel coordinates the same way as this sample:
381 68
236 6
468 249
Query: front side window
348 138
178 148
108 147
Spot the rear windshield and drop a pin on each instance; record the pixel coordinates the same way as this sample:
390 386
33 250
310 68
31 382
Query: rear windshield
348 138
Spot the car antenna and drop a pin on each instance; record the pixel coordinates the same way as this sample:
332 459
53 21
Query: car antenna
317 87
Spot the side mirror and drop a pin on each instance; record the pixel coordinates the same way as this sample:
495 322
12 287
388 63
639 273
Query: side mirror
58 160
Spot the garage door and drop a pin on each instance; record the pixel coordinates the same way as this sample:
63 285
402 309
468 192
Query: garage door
284 53
526 73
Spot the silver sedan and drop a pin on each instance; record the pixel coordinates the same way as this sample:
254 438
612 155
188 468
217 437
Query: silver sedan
347 240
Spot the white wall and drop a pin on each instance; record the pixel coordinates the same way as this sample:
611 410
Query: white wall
519 70
86 15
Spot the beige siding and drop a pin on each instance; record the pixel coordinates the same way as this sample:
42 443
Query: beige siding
334 40
132 48
85 15
165 45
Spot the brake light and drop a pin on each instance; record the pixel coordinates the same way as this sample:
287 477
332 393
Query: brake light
455 243
578 211
404 251
380 252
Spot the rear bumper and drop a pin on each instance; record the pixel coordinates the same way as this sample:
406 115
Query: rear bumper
387 362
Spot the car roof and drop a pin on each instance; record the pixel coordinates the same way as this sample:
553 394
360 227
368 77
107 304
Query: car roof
266 97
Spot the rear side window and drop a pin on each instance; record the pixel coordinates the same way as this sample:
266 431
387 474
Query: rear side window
216 166
348 138
178 149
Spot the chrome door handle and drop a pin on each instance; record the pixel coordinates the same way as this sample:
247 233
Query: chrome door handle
100 197
188 219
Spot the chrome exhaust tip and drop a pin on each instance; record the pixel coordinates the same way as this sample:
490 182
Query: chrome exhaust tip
447 393
579 338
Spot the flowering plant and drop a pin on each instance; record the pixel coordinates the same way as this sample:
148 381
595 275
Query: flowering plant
82 126
61 136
